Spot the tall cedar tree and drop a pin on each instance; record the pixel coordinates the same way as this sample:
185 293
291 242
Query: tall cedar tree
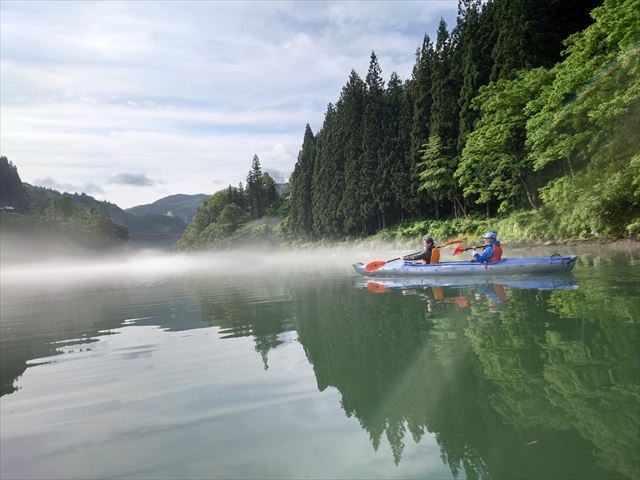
327 182
374 180
438 160
301 213
269 191
255 191
392 154
405 178
477 37
421 94
350 109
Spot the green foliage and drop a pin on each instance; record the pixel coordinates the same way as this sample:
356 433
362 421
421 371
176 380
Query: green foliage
592 108
301 181
224 219
495 167
67 223
233 216
256 195
383 156
437 168
596 202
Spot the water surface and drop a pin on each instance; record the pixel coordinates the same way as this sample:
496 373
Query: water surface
189 370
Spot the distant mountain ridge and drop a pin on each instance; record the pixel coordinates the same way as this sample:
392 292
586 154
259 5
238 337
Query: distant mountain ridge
136 224
180 205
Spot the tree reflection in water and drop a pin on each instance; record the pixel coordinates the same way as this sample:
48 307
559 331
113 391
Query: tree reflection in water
512 382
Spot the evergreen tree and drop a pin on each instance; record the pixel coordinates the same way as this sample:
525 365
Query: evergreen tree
421 94
393 154
350 110
477 37
301 213
270 192
255 190
242 197
438 158
374 177
405 176
437 172
327 184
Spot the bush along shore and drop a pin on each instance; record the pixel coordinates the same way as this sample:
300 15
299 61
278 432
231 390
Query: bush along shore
516 229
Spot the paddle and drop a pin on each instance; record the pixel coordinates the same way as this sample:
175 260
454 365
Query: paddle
460 249
381 263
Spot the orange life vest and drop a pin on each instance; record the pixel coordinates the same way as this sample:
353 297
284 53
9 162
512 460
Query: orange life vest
435 256
497 254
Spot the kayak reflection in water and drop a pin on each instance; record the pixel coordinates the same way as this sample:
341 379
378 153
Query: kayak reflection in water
479 291
495 293
436 298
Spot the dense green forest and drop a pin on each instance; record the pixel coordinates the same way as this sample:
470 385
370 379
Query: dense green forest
526 112
238 214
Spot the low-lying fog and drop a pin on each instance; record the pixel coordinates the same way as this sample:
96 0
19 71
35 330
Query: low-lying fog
26 265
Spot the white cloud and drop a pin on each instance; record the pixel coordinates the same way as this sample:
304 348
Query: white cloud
133 179
185 91
50 182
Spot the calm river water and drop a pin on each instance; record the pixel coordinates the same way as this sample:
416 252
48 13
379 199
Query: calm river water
183 368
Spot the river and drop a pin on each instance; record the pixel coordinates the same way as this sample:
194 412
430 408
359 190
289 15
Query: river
233 366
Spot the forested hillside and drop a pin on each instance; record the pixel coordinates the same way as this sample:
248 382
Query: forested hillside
29 210
237 214
524 105
32 214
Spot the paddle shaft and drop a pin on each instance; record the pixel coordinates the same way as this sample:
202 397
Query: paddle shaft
415 253
375 265
473 248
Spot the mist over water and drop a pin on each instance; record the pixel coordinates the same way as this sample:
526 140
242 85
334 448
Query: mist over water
149 263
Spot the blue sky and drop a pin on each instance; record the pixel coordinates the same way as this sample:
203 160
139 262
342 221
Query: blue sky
134 101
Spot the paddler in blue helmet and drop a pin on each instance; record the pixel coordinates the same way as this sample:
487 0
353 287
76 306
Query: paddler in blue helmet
427 255
491 252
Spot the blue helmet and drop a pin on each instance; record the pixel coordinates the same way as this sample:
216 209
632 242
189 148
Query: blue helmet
427 239
490 235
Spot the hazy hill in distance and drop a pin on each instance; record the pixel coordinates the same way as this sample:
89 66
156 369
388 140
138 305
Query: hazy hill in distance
137 224
180 205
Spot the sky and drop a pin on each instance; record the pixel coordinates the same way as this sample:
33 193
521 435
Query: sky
132 101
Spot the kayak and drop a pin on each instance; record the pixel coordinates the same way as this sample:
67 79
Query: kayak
509 266
558 281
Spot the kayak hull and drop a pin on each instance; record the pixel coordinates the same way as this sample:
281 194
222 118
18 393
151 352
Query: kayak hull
509 266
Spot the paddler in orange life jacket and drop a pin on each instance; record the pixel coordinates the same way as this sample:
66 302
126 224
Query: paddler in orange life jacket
430 254
492 251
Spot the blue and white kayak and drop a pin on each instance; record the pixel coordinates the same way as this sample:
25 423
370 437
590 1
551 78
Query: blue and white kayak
508 266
